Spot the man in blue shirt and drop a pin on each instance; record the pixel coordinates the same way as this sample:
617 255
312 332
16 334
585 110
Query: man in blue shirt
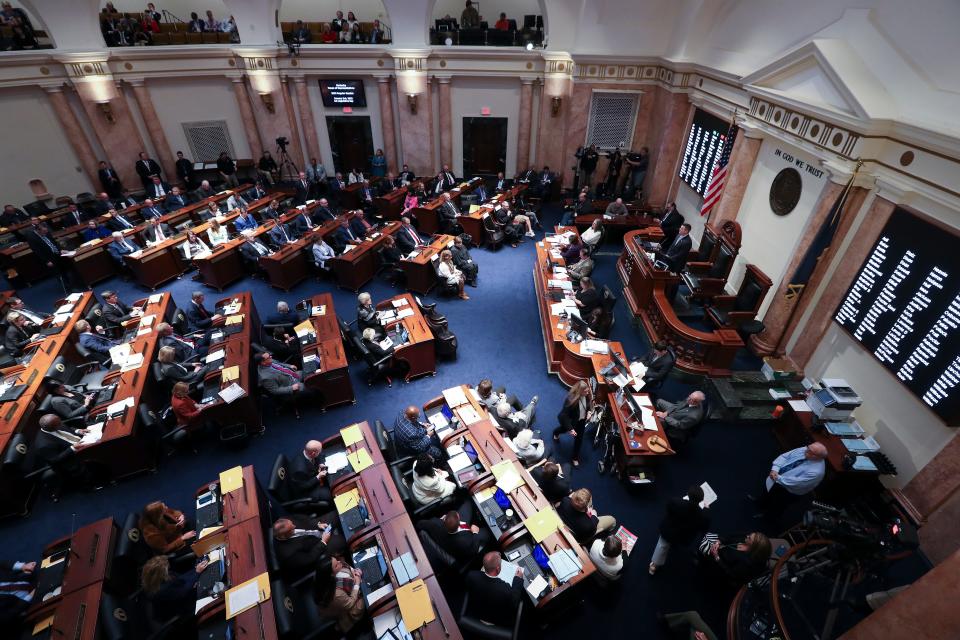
245 222
415 437
793 475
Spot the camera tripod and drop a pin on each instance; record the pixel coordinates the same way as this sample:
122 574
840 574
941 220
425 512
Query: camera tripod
288 168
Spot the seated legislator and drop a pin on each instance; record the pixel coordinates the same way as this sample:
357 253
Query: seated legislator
172 370
322 213
571 252
20 332
675 254
429 482
513 230
211 211
359 226
184 350
679 418
322 252
491 599
171 595
583 266
204 191
451 275
659 362
414 437
512 422
284 315
530 450
367 314
217 233
599 323
57 446
577 512
92 342
463 261
149 210
279 380
251 250
198 317
373 345
164 529
69 404
462 540
554 485
279 235
301 223
245 222
344 235
389 253
95 231
158 188
283 343
121 247
591 237
115 311
73 216
607 554
175 201
406 176
184 407
407 237
336 591
616 208
447 214
301 542
16 596
588 298
118 221
502 184
156 232
307 476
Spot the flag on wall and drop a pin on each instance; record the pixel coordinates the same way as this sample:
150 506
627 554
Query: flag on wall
719 177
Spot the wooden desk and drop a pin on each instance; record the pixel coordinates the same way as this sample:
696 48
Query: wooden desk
390 205
420 271
645 293
418 352
618 226
357 266
331 379
350 195
634 449
89 553
472 223
426 213
335 444
75 616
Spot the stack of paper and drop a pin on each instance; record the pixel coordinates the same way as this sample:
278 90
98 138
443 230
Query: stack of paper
507 477
215 356
459 461
454 397
438 420
334 462
404 313
73 297
319 310
247 595
564 564
536 587
508 571
118 407
232 392
133 361
596 346
709 496
405 568
93 435
468 415
399 302
231 480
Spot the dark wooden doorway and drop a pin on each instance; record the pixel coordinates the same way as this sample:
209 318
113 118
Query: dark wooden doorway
351 142
484 146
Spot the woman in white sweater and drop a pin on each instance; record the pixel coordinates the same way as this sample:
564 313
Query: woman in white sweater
430 483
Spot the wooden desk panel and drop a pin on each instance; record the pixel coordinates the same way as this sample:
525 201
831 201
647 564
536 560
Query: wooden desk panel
420 271
356 267
390 205
419 352
332 378
426 213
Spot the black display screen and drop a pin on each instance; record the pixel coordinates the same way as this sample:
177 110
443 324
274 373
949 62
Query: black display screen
343 93
904 307
704 146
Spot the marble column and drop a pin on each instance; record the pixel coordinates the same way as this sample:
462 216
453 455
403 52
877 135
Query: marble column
246 114
120 139
387 125
74 134
525 123
742 160
935 493
855 255
676 115
296 148
416 131
779 311
446 122
154 129
306 117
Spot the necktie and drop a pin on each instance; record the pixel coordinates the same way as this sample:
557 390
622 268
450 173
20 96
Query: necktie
350 234
160 233
127 246
13 587
50 244
124 221
260 248
160 190
286 371
76 214
285 236
202 311
790 466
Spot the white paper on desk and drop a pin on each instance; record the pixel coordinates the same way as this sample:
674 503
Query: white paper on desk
454 450
536 586
243 597
647 418
387 626
565 285
621 380
348 247
133 361
201 603
570 304
336 461
558 270
556 308
144 331
147 321
60 318
73 297
386 343
413 254
438 420
155 298
310 358
799 405
468 415
459 461
231 309
116 408
379 594
119 353
231 393
638 369
386 315
643 401
319 310
400 302
93 435
473 392
404 313
216 355
64 308
508 571
454 397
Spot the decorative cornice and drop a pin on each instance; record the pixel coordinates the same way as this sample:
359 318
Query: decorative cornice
827 136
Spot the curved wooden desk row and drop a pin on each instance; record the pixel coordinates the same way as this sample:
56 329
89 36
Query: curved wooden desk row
427 213
645 292
418 352
331 380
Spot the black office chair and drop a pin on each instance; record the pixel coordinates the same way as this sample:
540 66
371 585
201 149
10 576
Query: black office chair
442 562
131 618
180 324
376 369
162 426
476 628
347 334
404 481
296 614
279 488
46 406
131 552
445 345
445 289
388 447
492 235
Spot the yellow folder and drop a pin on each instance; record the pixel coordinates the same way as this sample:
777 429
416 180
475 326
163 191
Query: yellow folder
247 595
231 480
542 523
415 605
230 373
351 435
360 459
347 500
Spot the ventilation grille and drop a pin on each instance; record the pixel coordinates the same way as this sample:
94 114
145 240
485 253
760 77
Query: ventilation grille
208 140
612 117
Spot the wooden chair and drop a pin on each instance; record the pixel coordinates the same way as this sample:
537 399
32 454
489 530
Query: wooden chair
707 250
708 278
731 311
194 38
161 38
223 38
208 37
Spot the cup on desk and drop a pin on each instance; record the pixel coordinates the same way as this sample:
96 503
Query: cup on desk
509 514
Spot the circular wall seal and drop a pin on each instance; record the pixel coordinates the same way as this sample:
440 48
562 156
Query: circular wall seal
785 191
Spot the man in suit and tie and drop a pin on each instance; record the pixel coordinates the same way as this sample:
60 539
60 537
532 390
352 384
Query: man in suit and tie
73 216
659 361
185 170
147 168
307 475
447 214
675 254
461 539
322 213
20 332
94 231
359 226
118 221
480 191
443 181
158 188
366 196
175 200
150 210
491 599
679 418
109 180
670 222
121 247
17 581
301 223
407 176
529 176
388 184
337 185
279 235
284 315
102 203
57 446
127 200
256 192
407 237
115 311
157 232
184 350
303 188
198 317
279 380
251 250
301 34
344 236
92 342
44 246
245 222
271 211
12 215
69 404
545 179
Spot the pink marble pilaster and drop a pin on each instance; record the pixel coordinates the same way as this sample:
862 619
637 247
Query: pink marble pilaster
246 114
742 160
552 136
523 126
306 117
446 122
387 124
120 139
674 122
416 132
74 133
296 151
154 129
578 115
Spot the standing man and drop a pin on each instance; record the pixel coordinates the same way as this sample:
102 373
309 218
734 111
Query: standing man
228 170
303 188
185 171
267 169
588 165
675 255
109 180
792 476
670 221
317 175
469 17
147 168
638 170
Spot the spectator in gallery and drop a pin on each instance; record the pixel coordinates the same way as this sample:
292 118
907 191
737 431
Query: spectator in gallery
502 24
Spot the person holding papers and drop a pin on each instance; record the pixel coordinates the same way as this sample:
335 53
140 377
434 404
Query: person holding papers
679 418
58 446
682 522
577 512
453 276
308 475
429 482
414 437
373 345
92 342
116 311
164 529
336 590
494 599
793 474
608 556
573 416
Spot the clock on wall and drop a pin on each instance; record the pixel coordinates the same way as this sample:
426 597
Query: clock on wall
785 191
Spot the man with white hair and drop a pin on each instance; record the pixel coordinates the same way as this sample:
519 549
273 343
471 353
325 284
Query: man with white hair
367 313
447 214
679 418
121 247
284 315
793 474
530 450
514 421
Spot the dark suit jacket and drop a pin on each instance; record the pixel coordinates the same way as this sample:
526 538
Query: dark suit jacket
172 202
367 318
52 450
180 373
321 215
358 228
177 597
92 234
658 367
109 180
15 339
374 348
299 556
67 407
102 206
290 317
116 315
683 521
302 475
274 382
183 351
72 219
405 240
41 249
555 489
184 169
151 235
277 237
115 224
502 185
491 599
154 192
676 253
117 250
462 545
198 317
680 418
342 237
303 190
146 171
583 525
249 253
302 35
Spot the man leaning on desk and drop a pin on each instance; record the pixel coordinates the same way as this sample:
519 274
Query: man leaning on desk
492 599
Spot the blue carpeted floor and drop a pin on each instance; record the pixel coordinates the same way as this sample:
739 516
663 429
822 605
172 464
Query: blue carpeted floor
499 337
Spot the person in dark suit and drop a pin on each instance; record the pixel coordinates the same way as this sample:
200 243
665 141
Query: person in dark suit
227 169
462 540
158 188
359 226
502 183
175 200
121 247
251 250
321 213
343 235
307 475
44 246
19 333
373 346
387 184
116 311
73 216
278 379
301 34
204 191
407 237
491 599
150 210
279 234
675 254
303 188
390 255
376 33
255 192
447 214
670 221
300 542
659 362
443 182
157 232
109 180
69 404
577 512
119 221
16 591
102 204
545 183
12 215
198 317
93 342
185 170
57 446
679 418
147 168
684 519
184 350
172 370
463 261
407 176
284 315
553 485
271 211
171 595
94 231
367 313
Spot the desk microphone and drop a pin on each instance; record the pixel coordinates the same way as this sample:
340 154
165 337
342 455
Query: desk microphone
389 497
374 492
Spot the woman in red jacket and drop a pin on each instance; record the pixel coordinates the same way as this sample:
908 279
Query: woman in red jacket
186 410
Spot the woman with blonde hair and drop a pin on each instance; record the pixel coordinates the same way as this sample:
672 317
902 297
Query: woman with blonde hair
530 450
449 272
217 233
573 416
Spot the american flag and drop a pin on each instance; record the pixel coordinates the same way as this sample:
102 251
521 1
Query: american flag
719 177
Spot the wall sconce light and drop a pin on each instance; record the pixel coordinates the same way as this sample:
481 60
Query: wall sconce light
412 102
267 99
107 111
555 103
